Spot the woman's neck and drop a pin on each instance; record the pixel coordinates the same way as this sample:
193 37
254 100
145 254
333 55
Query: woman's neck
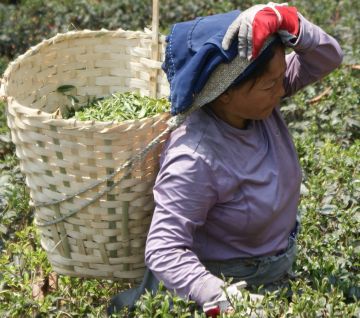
234 121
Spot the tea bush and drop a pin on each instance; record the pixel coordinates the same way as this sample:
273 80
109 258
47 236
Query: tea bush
323 118
336 116
30 21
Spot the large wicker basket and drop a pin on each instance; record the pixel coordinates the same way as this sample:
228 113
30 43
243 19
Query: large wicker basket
93 214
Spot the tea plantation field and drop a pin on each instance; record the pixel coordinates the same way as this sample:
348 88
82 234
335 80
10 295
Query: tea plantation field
324 120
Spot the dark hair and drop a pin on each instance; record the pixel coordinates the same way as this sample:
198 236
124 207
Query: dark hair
258 68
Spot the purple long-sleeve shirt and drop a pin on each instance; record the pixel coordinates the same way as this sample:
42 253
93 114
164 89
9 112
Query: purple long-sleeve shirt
224 192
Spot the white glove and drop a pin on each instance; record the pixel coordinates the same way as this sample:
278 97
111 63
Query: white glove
224 303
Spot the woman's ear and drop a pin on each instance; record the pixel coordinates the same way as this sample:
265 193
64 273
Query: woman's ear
226 97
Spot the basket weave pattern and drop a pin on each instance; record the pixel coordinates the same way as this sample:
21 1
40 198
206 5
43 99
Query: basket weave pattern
61 157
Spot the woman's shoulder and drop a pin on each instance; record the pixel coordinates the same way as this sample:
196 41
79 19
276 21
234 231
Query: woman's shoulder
192 137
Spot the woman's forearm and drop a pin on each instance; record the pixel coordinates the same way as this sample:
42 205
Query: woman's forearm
315 55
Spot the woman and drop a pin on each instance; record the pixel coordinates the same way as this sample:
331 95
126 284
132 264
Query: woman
228 188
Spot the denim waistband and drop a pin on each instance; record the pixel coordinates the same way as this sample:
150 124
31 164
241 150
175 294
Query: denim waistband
293 234
265 258
259 270
295 231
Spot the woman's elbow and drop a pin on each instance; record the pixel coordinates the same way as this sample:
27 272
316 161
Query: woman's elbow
332 55
333 60
340 57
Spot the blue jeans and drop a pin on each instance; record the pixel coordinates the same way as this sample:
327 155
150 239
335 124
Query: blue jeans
272 272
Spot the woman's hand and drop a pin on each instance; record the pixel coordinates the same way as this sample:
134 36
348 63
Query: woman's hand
256 24
223 303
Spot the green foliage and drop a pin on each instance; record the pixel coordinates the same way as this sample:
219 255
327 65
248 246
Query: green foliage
123 106
326 134
336 116
3 127
23 264
118 107
4 61
13 193
29 22
331 215
14 197
339 18
163 305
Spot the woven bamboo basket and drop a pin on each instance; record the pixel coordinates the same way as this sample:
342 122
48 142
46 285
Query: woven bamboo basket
93 210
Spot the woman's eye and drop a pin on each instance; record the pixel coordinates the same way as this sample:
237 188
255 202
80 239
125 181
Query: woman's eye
269 87
273 83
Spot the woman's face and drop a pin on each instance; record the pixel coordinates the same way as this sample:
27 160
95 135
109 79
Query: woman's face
254 101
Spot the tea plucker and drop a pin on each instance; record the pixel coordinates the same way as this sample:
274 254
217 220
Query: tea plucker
228 188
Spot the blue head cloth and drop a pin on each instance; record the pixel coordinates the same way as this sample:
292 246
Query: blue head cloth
193 52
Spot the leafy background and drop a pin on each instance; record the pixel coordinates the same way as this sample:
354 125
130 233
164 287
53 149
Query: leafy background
324 119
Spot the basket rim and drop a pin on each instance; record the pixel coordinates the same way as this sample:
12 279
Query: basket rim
88 125
60 37
72 123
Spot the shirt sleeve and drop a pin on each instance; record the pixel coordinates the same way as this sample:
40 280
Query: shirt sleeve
315 55
184 192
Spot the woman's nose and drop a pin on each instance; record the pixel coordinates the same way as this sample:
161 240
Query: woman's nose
279 89
282 90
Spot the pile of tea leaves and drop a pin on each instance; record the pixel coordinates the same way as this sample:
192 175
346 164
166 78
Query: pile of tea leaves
117 107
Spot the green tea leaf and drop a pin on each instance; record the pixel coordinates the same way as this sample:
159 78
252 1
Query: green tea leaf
65 88
120 107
